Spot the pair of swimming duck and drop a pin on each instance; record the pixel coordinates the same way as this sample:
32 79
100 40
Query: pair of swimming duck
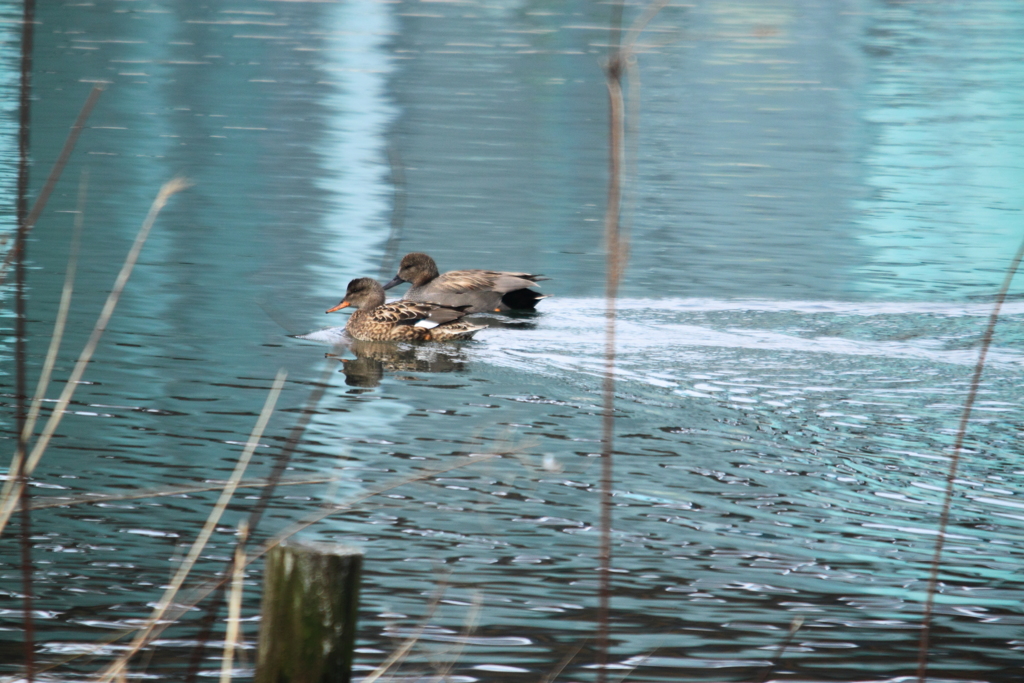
442 299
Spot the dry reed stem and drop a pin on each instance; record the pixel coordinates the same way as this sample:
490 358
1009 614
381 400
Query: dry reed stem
613 272
291 443
468 628
399 654
170 188
142 636
62 311
14 471
640 24
256 514
794 626
28 23
631 135
618 58
632 132
55 173
636 666
550 678
234 604
954 463
47 503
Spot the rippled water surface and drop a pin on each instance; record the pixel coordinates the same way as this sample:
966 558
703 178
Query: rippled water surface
825 199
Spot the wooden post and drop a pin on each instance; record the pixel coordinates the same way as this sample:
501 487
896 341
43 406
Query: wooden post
309 610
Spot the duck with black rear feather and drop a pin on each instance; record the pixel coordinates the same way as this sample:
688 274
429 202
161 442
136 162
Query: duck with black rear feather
396 321
481 291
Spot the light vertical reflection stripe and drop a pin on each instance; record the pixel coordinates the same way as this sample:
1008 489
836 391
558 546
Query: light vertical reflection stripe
355 172
355 180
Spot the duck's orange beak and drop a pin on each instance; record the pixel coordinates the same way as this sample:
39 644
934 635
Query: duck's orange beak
343 304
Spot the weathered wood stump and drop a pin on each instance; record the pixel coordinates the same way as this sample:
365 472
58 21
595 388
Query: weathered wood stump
310 604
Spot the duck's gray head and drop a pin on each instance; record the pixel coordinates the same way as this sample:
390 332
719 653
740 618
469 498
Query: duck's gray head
415 268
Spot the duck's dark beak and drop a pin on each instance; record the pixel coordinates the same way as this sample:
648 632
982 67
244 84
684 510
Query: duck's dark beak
343 304
395 281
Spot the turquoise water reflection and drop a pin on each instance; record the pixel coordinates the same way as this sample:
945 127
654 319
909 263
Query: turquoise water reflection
945 168
822 191
10 83
774 460
354 157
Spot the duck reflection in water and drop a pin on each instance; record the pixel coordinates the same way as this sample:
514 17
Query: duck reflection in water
373 359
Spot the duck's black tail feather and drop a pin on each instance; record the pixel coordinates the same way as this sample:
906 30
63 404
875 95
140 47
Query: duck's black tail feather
522 299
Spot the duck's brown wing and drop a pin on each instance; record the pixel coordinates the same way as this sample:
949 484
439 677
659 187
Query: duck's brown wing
406 312
457 281
401 312
446 314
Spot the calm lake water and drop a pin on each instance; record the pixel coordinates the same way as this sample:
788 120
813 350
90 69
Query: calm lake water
826 197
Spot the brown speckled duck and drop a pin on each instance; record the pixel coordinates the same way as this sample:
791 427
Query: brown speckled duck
396 321
479 290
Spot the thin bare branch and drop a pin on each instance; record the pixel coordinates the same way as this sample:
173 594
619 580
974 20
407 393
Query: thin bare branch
468 628
46 503
142 637
234 604
613 272
281 461
619 59
640 24
608 384
404 648
556 672
794 626
954 463
170 188
55 173
16 476
636 665
51 354
17 255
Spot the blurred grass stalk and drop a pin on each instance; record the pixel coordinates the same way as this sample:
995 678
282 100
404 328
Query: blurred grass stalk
87 499
51 180
231 637
16 487
621 58
11 495
14 471
20 322
398 656
119 667
954 464
284 456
